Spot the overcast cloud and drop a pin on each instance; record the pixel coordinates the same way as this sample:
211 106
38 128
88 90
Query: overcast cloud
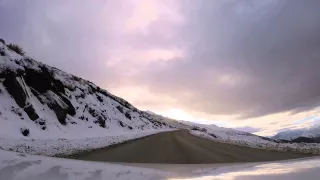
230 58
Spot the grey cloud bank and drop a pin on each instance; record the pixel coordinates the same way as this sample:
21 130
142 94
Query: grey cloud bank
255 62
248 58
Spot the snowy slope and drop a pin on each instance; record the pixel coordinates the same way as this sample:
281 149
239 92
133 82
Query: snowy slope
42 103
52 103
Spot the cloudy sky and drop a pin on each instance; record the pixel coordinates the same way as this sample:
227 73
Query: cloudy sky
246 64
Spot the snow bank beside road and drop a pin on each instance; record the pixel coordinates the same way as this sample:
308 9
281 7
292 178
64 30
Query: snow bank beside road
62 146
259 143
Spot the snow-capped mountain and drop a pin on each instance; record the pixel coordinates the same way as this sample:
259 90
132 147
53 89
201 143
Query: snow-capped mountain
288 135
311 132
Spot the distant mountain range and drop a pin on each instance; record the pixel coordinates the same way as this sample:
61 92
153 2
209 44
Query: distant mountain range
307 135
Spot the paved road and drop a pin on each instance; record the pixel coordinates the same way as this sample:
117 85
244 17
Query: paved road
179 147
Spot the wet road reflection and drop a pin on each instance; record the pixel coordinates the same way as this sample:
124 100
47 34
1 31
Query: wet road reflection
19 166
307 169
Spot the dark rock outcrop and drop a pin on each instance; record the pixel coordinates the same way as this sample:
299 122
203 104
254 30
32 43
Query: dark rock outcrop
38 80
16 90
2 53
2 41
99 98
25 131
121 124
60 112
120 108
43 80
101 122
128 115
20 95
66 100
58 86
57 105
31 112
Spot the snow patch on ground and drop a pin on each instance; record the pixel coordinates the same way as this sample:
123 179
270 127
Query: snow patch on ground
63 146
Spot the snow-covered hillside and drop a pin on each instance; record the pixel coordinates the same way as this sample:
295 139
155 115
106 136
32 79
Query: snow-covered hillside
41 102
311 132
